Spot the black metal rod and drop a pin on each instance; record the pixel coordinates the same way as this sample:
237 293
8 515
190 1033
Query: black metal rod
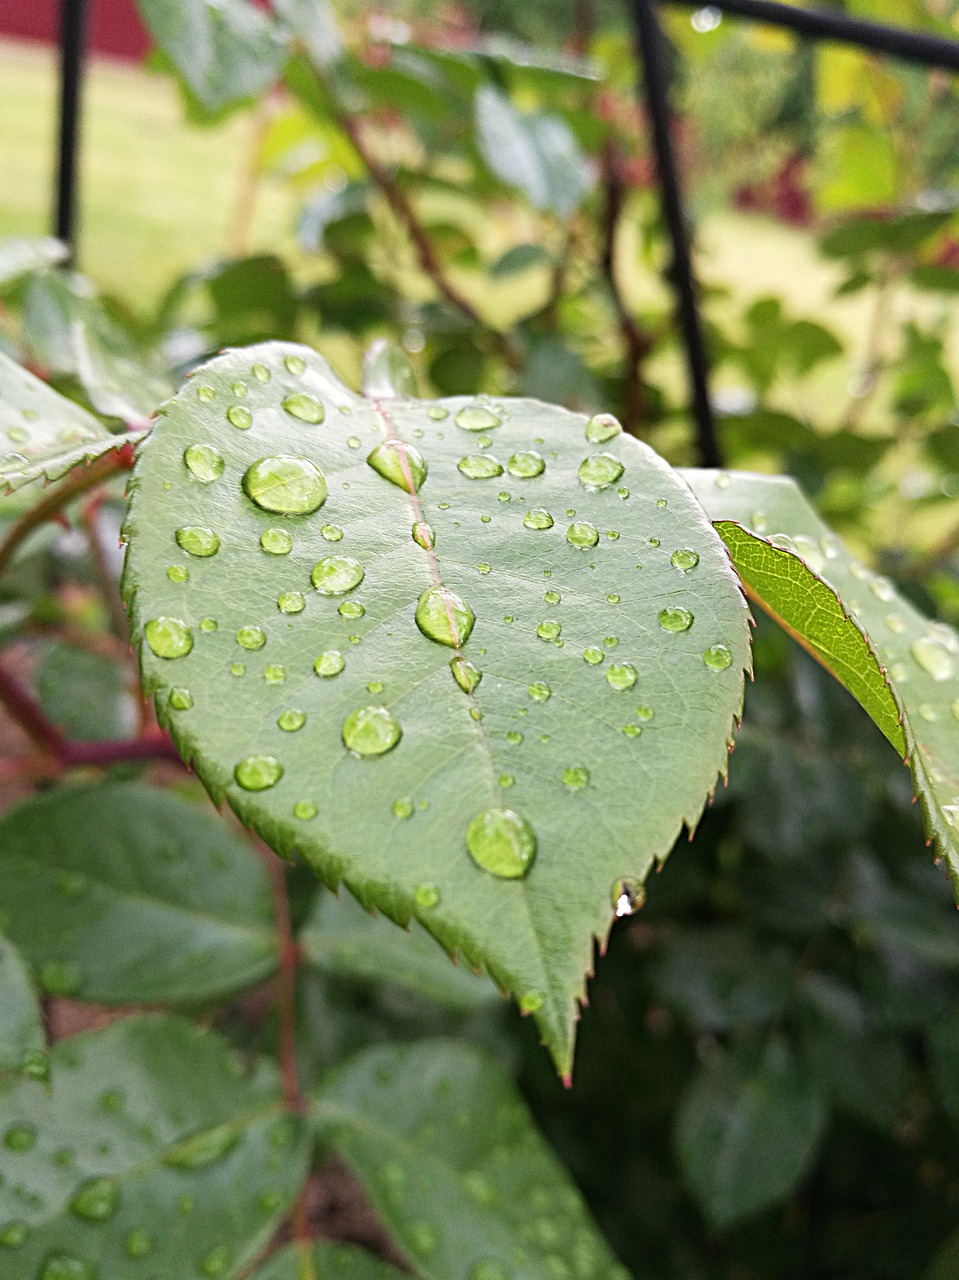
649 40
827 24
73 24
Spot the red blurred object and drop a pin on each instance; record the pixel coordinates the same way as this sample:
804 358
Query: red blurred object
785 196
115 26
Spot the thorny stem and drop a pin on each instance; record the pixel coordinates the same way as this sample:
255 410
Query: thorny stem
638 344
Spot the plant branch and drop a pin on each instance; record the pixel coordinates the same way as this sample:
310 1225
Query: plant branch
105 582
872 362
80 480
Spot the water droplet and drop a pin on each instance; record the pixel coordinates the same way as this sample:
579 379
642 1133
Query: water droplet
14 1235
593 656
465 674
632 730
197 541
627 896
330 663
484 568
335 575
443 616
138 1244
66 1266
291 720
684 559
239 416
207 625
400 463
402 808
437 413
645 713
602 427
178 573
506 780
599 471
20 1138
274 673
305 810
479 466
549 630
675 619
474 417
216 1261
422 1237
927 712
501 842
423 535
181 699
371 731
295 364
237 668
258 773
529 1002
96 1200
538 519
351 609
306 408
514 737
204 462
332 533
251 638
427 896
286 485
718 657
485 519
611 641
613 598
895 623
576 776
653 542
582 535
932 657
525 464
291 602
621 676
168 637
539 691
260 372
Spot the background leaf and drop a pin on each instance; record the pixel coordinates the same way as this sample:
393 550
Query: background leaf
22 1045
86 694
328 1260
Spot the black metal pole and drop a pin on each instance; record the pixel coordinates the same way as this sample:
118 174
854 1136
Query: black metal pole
649 40
73 23
828 24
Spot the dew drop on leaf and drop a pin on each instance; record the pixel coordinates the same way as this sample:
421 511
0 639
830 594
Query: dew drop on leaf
437 413
208 625
14 1235
538 519
295 364
260 372
168 637
475 417
932 657
718 657
621 676
178 573
423 535
198 541
514 737
332 533
237 668
549 629
181 699
526 464
501 842
443 616
335 575
251 638
291 602
258 773
402 808
426 895
684 559
286 485
204 462
479 466
274 673
239 416
593 655
400 463
206 395
371 731
305 810
576 776
539 691
217 1261
627 896
484 567
305 408
599 471
291 720
66 1266
552 597
138 1244
675 619
529 1002
465 674
351 609
582 535
96 1200
602 427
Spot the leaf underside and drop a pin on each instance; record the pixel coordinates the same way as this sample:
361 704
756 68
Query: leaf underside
901 667
459 754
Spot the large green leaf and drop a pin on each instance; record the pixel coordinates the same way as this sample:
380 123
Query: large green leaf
153 1153
901 667
450 1158
124 893
327 1260
18 257
601 788
43 434
22 1046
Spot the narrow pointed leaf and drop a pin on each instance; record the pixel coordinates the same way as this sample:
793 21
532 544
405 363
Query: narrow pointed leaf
902 668
313 633
451 1159
22 1046
328 1260
152 1152
124 893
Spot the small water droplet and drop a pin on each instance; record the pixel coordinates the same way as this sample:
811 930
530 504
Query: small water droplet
611 641
258 773
400 463
576 776
485 519
181 699
402 808
168 637
423 535
217 1261
138 1244
291 720
501 842
443 616
506 780
276 542
335 575
237 668
354 442
14 1235
514 737
351 609
613 598
932 657
208 625
437 413
332 533
621 676
475 417
582 535
274 673
427 896
529 1002
508 619
549 629
484 568
465 674
552 597
927 712
20 1138
593 655
285 485
675 619
632 730
602 427
260 372
204 462
539 691
895 623
538 519
599 471
627 896
291 602
305 810
295 364
684 559
718 657
239 416
503 497
305 408
653 542
96 1200
205 394
197 541
66 1266
240 390
371 731
525 464
178 573
251 637
645 713
479 466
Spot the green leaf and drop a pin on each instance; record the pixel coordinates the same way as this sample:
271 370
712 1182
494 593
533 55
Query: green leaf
42 434
314 22
522 257
944 1059
747 1131
226 51
115 375
86 694
22 1045
393 827
123 894
901 667
152 1153
327 1260
19 257
453 1164
341 938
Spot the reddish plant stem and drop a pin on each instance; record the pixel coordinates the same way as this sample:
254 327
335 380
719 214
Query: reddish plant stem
22 706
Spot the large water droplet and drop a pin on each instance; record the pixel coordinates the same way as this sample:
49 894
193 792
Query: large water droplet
684 559
526 464
582 535
251 637
295 364
197 541
549 630
718 657
599 471
539 691
168 637
602 427
576 777
501 842
538 519
371 731
286 485
306 408
479 466
627 896
443 616
423 535
621 675
465 674
475 417
400 463
335 575
67 1266
932 657
239 416
258 773
96 1200
260 372
675 619
204 462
